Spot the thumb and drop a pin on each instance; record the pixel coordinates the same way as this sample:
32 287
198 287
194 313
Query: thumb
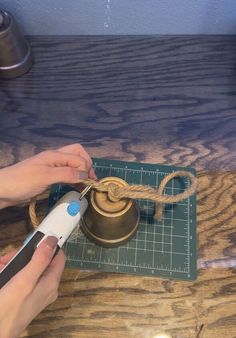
67 175
39 262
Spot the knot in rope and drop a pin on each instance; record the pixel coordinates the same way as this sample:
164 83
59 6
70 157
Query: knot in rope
113 192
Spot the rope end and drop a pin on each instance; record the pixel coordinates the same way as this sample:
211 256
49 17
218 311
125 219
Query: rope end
158 212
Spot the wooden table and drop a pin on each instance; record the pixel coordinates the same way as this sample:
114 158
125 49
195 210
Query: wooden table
169 100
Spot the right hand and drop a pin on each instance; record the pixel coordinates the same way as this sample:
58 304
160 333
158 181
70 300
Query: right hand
26 179
31 289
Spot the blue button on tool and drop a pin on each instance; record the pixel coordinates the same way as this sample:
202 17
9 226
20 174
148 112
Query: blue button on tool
73 208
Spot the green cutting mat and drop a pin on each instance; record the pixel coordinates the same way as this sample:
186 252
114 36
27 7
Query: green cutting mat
166 248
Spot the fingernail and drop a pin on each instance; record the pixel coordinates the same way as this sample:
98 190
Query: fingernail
51 242
92 174
82 175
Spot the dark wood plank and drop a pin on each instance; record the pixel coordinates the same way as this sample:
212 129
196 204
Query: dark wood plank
169 100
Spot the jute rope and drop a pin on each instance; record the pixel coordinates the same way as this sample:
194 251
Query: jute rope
116 193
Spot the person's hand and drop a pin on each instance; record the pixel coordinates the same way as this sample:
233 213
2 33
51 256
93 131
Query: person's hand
31 289
28 178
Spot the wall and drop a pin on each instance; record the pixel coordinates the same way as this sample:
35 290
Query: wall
124 16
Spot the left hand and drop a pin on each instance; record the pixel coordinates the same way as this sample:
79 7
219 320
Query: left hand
32 289
20 182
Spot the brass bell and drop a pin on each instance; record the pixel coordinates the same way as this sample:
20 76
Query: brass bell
109 223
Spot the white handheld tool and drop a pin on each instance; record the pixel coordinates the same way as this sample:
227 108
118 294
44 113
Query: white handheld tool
60 222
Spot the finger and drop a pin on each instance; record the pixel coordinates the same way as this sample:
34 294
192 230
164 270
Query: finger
38 263
77 149
55 268
54 158
67 175
47 286
92 174
6 258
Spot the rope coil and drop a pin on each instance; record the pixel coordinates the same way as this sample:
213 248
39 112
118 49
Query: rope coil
116 193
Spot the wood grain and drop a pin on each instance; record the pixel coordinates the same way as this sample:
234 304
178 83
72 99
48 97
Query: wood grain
168 100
